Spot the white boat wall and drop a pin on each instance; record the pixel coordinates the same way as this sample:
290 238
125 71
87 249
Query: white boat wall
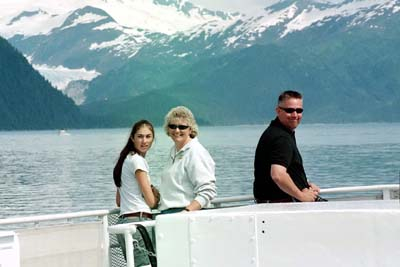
361 232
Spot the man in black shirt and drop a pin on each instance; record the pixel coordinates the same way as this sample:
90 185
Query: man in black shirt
278 166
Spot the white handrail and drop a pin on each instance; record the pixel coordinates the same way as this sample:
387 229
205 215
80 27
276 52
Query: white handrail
386 189
366 188
121 228
54 217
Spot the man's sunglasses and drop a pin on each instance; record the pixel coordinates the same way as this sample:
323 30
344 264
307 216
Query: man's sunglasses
180 127
291 110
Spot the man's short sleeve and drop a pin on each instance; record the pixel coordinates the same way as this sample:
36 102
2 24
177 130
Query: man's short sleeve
281 151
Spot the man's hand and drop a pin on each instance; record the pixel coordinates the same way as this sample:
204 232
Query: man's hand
308 195
314 187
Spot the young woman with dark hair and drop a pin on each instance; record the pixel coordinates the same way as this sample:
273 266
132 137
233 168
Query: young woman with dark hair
135 194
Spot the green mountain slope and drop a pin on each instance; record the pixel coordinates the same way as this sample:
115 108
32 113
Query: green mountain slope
27 100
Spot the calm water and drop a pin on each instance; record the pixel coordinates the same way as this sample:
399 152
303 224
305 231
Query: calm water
43 173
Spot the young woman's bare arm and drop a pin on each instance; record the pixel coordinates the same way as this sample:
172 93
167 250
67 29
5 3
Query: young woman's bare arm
118 198
145 187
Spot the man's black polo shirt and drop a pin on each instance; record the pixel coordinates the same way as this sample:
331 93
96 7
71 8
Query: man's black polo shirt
277 145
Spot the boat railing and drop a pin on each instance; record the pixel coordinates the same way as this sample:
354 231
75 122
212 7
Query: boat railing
36 220
388 191
384 192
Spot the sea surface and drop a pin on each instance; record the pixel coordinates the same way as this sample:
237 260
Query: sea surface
42 172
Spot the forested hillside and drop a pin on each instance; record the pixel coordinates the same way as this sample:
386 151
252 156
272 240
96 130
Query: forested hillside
27 100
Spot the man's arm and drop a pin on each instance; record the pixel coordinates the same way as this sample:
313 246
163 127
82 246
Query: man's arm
286 184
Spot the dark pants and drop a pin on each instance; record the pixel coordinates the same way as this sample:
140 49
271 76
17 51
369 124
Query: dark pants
140 256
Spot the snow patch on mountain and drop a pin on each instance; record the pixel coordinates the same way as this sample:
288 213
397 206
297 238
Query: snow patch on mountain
210 28
37 23
123 45
109 26
85 19
260 22
60 76
128 43
313 15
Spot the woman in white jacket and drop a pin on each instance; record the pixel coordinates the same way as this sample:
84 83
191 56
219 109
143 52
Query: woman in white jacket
188 182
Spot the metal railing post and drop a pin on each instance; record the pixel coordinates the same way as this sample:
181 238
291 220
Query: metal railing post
386 193
127 229
106 244
130 260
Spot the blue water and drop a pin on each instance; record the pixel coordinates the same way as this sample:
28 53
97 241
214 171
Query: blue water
44 173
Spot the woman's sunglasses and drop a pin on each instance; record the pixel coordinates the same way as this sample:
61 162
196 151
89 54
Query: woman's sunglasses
180 127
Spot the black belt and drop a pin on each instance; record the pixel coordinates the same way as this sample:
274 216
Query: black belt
138 214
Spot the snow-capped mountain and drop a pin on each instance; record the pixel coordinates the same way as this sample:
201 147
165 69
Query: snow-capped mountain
94 36
78 40
31 18
290 16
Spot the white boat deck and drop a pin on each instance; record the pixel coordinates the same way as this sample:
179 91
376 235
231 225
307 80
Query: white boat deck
63 245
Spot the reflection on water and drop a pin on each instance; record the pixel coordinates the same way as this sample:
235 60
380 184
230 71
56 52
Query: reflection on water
42 172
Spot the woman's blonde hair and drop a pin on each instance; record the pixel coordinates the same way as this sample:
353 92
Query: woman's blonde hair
182 112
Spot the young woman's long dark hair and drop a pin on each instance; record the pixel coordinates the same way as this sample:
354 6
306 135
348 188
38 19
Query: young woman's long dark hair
129 147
